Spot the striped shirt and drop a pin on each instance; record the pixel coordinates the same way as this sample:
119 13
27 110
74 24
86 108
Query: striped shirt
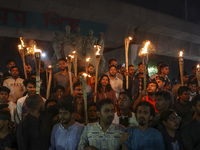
93 135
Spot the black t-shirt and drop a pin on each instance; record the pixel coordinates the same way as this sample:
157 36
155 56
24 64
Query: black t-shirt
9 141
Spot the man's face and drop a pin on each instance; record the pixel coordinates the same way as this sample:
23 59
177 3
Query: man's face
160 84
192 87
151 89
4 97
62 65
131 70
185 79
64 116
165 70
92 113
172 122
143 115
104 81
113 71
28 69
90 69
161 103
123 102
140 69
14 72
113 63
58 94
185 96
11 64
107 113
78 92
31 89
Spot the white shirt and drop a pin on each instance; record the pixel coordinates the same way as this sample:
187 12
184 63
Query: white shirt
16 88
117 85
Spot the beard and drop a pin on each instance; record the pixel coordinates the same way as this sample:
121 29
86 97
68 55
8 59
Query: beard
141 121
112 75
151 93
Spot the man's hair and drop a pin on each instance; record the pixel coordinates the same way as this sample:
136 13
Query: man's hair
125 93
110 60
165 115
78 83
32 101
59 87
14 67
154 83
92 104
29 80
5 114
62 59
163 66
5 89
139 64
49 101
112 66
67 106
103 102
195 99
145 103
28 64
159 63
165 94
130 66
9 61
90 65
182 89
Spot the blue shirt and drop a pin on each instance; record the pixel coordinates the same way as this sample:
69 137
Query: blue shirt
150 139
62 139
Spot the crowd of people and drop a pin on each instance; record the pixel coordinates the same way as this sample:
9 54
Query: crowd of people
164 116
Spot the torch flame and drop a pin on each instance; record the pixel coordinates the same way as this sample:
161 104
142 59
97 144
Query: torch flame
98 47
22 42
145 48
130 38
72 56
74 52
36 50
20 47
198 66
181 54
86 75
49 66
88 59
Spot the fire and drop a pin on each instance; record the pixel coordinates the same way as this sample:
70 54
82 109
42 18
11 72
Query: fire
36 50
198 66
22 42
98 47
72 56
145 48
74 52
86 75
49 66
130 38
88 59
20 47
181 54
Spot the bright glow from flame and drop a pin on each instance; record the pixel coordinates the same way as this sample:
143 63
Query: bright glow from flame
130 38
20 47
181 54
74 52
98 47
145 48
72 56
22 42
86 75
37 50
43 55
88 59
198 66
49 66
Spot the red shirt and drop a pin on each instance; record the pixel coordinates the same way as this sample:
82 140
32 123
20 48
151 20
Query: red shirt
151 101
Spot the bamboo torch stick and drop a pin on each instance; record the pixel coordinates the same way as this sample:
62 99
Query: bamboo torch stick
87 64
49 70
22 50
127 41
37 64
181 64
98 57
75 63
144 55
198 76
70 74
